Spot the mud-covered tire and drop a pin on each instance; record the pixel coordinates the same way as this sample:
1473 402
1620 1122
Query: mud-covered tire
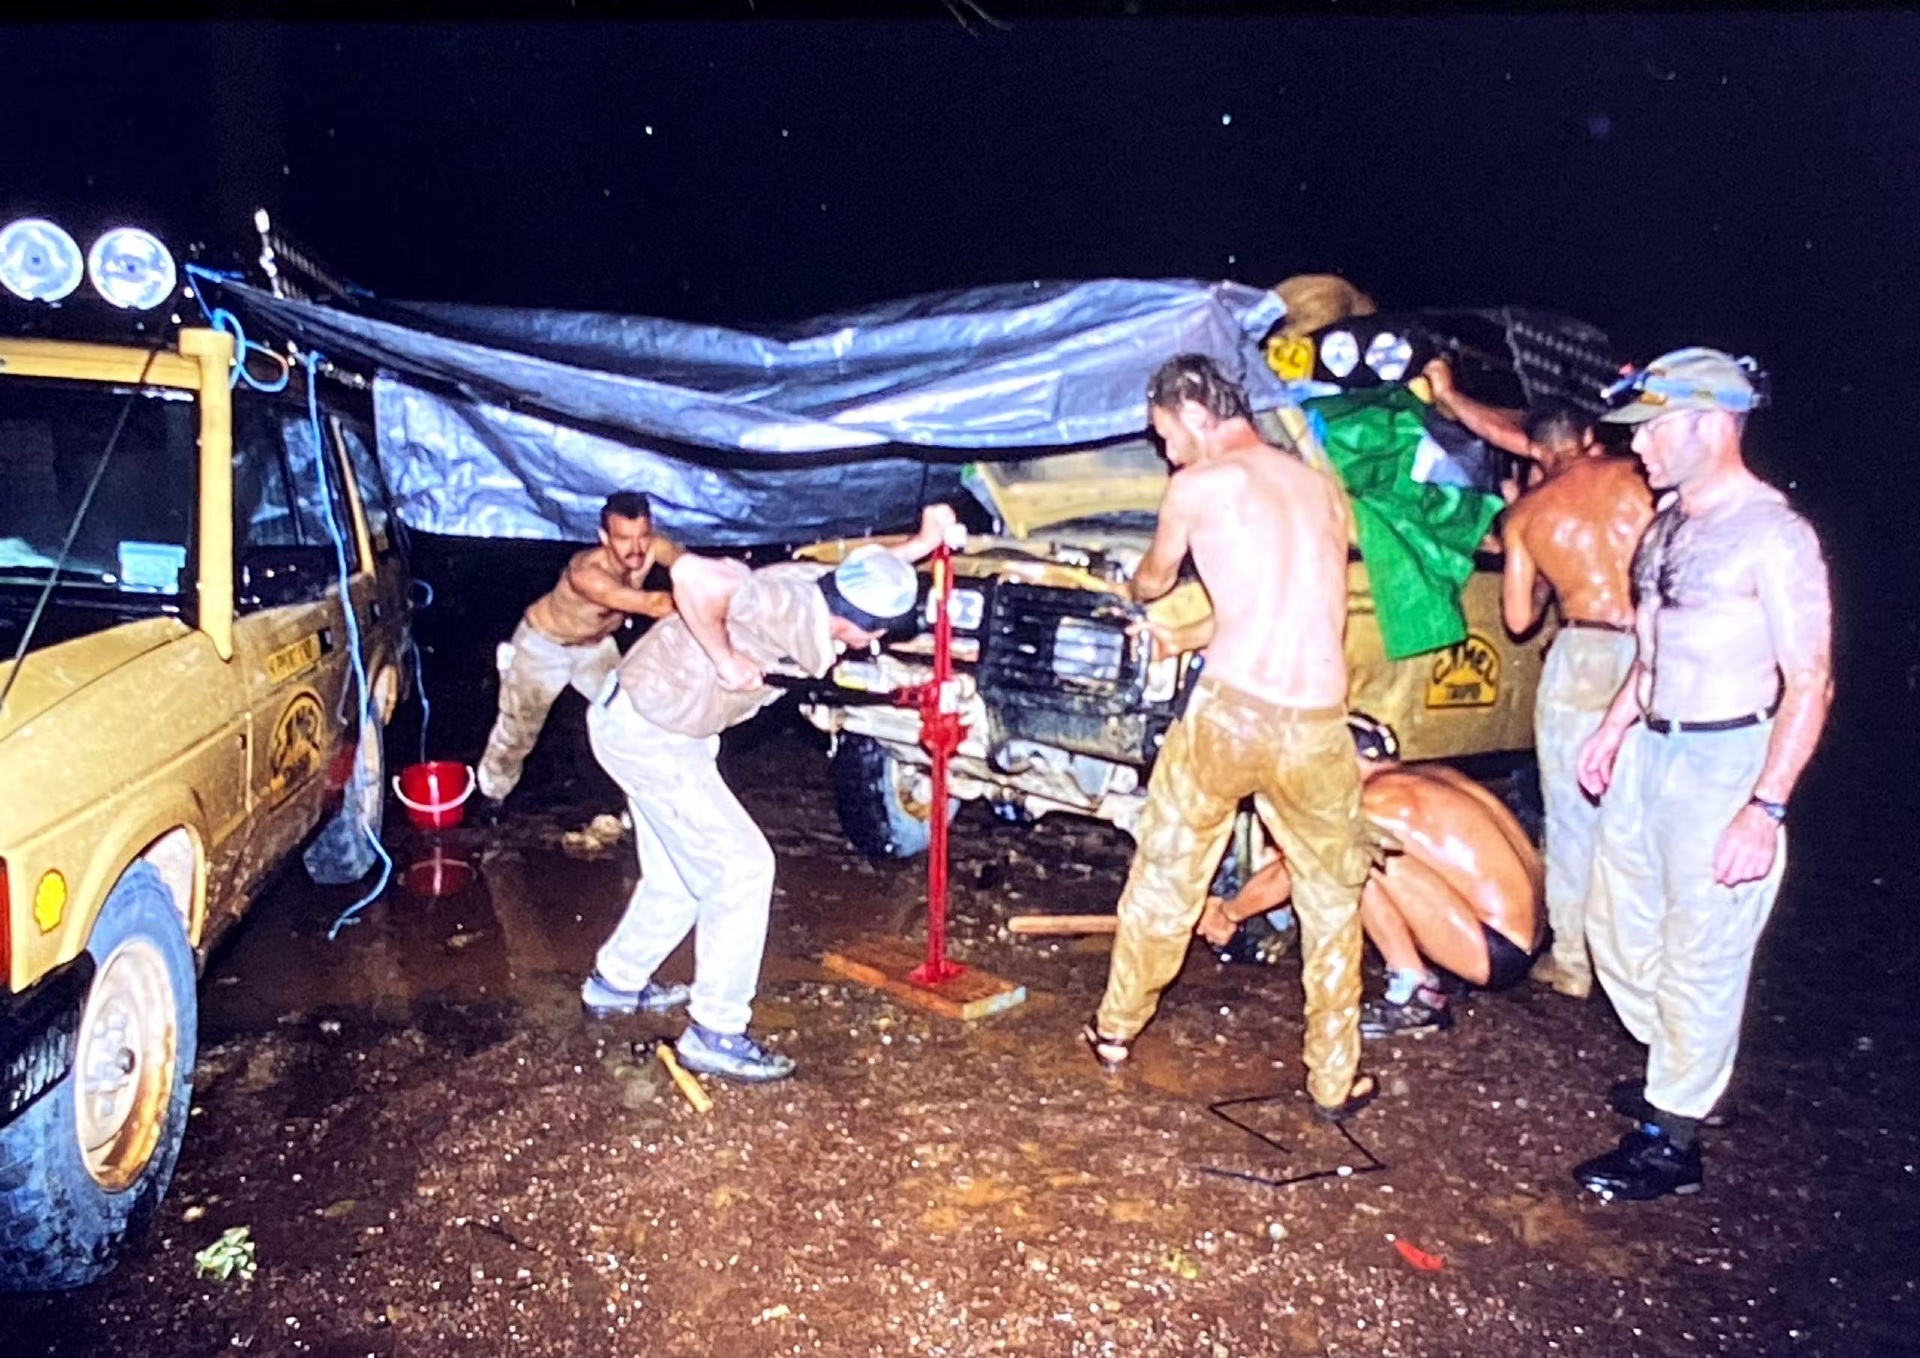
60 1227
866 792
343 851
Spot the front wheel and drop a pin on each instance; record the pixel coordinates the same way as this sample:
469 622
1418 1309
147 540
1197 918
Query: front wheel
874 794
85 1167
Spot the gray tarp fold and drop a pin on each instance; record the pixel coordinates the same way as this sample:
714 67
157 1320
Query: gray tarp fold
496 422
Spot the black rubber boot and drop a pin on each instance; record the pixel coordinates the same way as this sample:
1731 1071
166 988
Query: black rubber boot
1646 1165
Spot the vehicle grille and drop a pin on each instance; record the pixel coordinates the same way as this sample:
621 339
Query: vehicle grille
1042 640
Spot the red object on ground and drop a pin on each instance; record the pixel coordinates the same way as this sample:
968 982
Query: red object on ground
435 794
940 731
438 874
1419 1258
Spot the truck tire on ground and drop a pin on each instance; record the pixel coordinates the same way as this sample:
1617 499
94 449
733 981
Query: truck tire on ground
343 851
86 1166
878 820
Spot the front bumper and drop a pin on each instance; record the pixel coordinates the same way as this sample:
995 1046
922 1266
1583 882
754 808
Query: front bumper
38 1031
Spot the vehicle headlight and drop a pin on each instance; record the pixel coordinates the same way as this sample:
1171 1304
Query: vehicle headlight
38 261
1085 650
1340 352
1389 355
131 269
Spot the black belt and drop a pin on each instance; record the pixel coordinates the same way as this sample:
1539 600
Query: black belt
1661 726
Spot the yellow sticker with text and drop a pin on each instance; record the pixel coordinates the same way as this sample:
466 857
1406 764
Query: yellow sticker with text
298 658
1290 357
295 753
1467 675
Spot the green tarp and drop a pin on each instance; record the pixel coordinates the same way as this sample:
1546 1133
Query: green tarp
1417 539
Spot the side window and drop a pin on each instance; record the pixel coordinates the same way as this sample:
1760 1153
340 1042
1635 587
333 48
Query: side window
374 499
282 538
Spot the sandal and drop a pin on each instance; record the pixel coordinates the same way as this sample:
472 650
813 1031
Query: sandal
1111 1052
1364 1090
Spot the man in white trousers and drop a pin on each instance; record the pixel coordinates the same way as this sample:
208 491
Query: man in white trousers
1697 757
655 727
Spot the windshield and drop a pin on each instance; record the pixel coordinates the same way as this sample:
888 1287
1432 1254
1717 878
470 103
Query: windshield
135 536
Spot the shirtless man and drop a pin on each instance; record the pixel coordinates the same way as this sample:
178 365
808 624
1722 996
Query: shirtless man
1697 757
1460 888
1572 538
566 636
1268 535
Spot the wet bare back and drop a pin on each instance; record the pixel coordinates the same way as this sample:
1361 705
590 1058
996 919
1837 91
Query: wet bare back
570 618
1461 834
1578 530
1269 537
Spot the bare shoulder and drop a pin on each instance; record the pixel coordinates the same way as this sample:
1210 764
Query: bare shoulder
591 561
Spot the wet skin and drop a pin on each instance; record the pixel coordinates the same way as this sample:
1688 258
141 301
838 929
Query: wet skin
1464 861
601 586
1269 538
1575 533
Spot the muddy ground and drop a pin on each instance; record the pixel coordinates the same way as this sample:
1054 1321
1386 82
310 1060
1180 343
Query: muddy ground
437 1154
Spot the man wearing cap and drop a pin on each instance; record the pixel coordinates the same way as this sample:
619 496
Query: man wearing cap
566 637
655 727
1268 535
1571 538
1697 757
1455 884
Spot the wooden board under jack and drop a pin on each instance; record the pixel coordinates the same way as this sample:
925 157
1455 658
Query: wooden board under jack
887 964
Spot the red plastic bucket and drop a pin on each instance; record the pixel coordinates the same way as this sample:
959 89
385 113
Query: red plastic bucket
435 794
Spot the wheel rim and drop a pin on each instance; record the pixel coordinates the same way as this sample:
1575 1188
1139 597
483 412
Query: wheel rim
124 1063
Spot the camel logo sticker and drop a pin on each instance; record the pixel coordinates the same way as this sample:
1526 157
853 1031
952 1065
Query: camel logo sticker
1466 675
298 658
294 753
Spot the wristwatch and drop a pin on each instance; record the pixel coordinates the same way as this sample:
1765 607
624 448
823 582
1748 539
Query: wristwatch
1777 810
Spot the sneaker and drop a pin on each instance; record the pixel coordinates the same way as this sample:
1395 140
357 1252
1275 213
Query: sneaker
731 1056
1426 1012
1629 1100
1645 1166
1546 973
603 999
1259 942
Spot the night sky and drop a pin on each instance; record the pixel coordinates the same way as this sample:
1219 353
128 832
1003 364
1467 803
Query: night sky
1749 182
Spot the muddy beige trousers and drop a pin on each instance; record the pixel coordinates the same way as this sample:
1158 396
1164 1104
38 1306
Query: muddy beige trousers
1584 670
1672 947
704 865
1301 771
539 669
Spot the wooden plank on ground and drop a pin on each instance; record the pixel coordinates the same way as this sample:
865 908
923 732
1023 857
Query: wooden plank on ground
887 964
1063 924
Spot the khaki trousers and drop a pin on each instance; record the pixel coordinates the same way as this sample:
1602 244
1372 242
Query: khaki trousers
1301 771
1672 947
704 865
539 669
1584 670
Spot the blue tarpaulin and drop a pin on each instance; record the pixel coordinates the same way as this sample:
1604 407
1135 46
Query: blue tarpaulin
498 422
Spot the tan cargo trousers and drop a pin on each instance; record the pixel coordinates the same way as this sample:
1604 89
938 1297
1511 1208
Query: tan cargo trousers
1672 947
1299 767
539 668
1584 670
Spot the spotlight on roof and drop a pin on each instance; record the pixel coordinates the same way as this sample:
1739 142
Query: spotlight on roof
38 261
131 269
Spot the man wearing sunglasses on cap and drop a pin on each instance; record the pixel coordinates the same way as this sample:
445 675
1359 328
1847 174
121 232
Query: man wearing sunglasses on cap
655 728
1697 757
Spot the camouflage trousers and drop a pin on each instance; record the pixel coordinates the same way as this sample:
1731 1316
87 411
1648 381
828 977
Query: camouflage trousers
535 670
1299 767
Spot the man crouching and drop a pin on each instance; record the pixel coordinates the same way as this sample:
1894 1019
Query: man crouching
655 728
1269 538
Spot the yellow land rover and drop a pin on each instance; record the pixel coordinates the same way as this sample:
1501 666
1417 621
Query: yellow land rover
181 705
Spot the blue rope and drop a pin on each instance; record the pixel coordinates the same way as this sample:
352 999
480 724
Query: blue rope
355 646
222 319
